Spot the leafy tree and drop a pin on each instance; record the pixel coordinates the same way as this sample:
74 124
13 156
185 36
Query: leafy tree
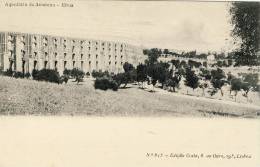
236 85
153 55
193 63
230 62
163 70
203 86
175 63
27 75
128 76
99 74
141 71
219 63
229 79
218 79
128 67
165 51
183 64
154 72
173 81
245 19
249 82
205 64
204 76
48 75
105 83
77 74
18 74
191 79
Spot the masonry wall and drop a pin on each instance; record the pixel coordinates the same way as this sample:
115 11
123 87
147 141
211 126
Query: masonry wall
25 52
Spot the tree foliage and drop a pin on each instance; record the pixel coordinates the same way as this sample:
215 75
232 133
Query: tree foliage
245 20
191 79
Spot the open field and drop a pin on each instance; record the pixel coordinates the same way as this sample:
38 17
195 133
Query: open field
27 97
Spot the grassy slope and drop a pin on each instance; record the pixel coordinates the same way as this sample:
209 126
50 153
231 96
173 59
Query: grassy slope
18 96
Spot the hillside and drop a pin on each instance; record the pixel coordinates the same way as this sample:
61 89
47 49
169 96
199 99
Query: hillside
27 97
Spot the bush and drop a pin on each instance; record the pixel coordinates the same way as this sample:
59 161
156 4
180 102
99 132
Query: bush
87 74
35 74
67 72
46 75
191 79
8 72
64 78
100 74
27 75
105 83
18 74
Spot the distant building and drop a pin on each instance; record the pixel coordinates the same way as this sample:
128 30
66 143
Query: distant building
25 52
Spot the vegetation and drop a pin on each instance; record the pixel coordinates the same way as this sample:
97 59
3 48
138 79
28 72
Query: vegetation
245 19
141 73
46 75
217 80
105 83
191 79
99 74
75 73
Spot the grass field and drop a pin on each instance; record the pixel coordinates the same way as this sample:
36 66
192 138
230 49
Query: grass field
27 97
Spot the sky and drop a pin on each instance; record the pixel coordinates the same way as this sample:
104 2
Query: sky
201 26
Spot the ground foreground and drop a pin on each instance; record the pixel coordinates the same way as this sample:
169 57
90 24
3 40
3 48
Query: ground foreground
22 97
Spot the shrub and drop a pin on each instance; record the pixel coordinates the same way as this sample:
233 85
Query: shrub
87 74
64 78
218 79
18 74
74 73
9 72
35 74
46 75
99 74
105 83
67 72
27 75
191 79
236 85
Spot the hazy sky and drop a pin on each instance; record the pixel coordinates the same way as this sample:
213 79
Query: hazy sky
179 25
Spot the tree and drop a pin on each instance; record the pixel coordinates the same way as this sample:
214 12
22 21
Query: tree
77 74
128 67
236 85
249 82
48 75
191 79
204 76
245 19
205 64
218 80
141 71
153 55
163 72
173 81
128 76
175 63
154 72
165 51
229 79
183 64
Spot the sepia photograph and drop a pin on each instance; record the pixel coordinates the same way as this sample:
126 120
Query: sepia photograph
78 77
129 60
